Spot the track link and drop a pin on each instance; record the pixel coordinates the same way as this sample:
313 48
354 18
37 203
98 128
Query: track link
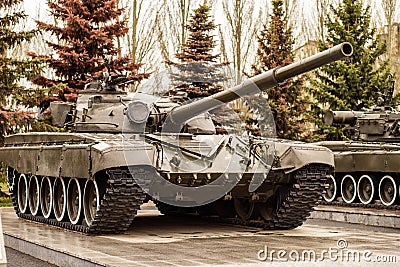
118 206
303 195
360 205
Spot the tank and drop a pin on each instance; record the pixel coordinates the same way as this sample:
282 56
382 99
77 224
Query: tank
366 168
121 150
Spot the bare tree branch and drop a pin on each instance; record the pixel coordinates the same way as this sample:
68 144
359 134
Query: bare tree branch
243 19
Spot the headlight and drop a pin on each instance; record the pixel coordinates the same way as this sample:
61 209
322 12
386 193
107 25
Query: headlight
138 112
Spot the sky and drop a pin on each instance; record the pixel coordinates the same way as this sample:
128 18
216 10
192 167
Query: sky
33 6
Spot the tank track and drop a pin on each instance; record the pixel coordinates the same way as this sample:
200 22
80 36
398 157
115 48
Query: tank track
360 205
118 207
123 198
304 194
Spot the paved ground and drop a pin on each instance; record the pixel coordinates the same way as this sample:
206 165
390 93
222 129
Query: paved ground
366 216
156 240
18 259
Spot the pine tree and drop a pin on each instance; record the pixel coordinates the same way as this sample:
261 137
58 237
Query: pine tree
354 83
13 71
287 101
86 31
198 73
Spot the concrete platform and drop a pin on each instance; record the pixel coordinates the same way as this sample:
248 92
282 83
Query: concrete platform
372 217
157 240
3 258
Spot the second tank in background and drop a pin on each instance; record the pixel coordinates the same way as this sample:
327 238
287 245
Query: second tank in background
367 169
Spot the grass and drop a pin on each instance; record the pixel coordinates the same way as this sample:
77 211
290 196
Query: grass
3 186
5 201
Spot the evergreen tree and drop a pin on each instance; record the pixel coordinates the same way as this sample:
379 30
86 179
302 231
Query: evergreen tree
86 31
287 101
13 71
198 73
354 83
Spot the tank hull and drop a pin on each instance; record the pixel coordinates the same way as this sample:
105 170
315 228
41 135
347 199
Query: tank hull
366 174
90 183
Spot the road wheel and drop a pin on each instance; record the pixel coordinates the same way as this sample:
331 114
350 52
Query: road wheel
74 201
91 201
366 189
46 197
388 190
348 189
34 195
59 199
330 192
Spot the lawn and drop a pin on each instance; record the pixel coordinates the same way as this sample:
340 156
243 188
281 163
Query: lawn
5 201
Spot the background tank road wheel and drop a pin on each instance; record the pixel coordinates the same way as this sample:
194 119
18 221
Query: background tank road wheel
91 201
366 189
349 189
23 192
46 197
388 191
330 192
34 198
59 199
74 201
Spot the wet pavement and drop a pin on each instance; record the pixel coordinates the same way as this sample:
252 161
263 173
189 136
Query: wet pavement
365 216
18 259
157 240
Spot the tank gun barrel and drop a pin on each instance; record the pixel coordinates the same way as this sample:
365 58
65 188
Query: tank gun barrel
341 117
261 82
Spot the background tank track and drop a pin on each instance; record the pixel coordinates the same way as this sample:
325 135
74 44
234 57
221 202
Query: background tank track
118 206
303 195
361 205
377 205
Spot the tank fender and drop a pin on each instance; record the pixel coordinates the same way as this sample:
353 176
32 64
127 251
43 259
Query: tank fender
68 160
295 156
112 155
10 157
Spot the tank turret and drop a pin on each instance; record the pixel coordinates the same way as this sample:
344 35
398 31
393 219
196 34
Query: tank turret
380 123
104 108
